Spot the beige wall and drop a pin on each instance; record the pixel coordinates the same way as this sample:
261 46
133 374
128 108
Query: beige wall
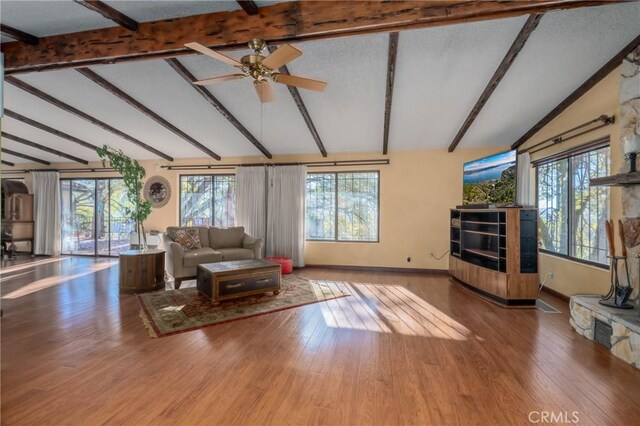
572 277
418 188
416 192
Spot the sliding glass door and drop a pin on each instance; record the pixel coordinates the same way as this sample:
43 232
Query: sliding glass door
93 219
78 216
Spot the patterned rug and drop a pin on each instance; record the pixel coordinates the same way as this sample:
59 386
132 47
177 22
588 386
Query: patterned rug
176 311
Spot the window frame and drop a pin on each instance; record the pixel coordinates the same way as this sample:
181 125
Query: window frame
567 156
213 198
335 200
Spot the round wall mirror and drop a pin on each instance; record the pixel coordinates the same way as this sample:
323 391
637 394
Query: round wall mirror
157 190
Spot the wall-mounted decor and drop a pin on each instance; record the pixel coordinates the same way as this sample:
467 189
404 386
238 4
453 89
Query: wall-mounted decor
157 191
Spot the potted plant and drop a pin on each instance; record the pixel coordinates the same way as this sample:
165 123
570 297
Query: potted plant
133 174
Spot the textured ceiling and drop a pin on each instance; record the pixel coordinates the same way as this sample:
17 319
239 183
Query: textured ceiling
563 52
440 73
145 10
43 18
51 17
349 113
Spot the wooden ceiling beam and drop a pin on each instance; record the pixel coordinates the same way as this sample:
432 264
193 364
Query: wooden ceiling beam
119 93
109 13
604 71
295 94
8 163
183 72
529 27
75 111
43 148
250 7
391 71
25 156
282 22
26 120
19 35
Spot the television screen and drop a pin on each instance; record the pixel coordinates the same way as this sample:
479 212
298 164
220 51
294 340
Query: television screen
490 180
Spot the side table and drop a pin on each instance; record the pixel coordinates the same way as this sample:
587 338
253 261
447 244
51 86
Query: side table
141 271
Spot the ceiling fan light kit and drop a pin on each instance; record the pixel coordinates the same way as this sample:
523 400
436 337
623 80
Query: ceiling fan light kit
260 68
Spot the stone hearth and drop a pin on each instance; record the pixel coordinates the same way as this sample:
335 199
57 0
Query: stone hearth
625 324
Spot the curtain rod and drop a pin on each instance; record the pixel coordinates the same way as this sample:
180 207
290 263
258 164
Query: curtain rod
78 170
580 149
606 120
338 163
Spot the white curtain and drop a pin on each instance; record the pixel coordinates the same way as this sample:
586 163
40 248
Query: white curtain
285 213
524 194
251 197
46 209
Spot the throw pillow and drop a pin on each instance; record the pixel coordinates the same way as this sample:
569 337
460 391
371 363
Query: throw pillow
187 238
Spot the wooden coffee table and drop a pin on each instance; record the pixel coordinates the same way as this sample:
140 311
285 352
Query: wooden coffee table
230 280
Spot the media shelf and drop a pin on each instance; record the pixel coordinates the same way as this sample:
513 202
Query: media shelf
495 251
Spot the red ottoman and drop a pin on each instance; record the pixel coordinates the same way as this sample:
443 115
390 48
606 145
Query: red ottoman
286 264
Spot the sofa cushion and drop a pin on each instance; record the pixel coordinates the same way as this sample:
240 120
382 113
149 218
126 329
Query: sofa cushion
203 232
202 255
226 238
236 254
187 237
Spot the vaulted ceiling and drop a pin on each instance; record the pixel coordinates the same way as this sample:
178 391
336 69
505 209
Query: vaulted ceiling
440 72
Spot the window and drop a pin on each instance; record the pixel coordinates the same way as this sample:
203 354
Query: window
342 206
572 213
208 200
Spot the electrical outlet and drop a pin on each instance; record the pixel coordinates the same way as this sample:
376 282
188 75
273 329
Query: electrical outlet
552 275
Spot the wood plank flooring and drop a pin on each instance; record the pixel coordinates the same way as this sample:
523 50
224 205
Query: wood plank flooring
403 349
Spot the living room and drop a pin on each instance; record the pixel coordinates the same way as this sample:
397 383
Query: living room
248 212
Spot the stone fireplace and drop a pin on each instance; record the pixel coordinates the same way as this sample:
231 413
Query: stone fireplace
619 329
630 124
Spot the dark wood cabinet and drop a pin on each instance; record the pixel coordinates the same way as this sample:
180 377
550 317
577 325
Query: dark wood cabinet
17 216
495 251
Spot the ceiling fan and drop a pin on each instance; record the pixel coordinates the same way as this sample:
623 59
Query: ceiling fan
260 68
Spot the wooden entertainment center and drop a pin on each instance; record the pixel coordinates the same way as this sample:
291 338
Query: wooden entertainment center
494 251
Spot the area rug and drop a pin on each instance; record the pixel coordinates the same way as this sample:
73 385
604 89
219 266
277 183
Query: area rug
175 311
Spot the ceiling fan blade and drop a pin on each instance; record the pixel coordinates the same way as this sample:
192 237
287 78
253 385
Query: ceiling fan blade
282 56
219 79
264 90
302 82
212 53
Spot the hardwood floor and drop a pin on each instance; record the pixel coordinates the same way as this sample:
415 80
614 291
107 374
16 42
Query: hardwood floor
403 349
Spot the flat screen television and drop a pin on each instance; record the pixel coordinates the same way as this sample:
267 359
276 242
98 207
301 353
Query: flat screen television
490 180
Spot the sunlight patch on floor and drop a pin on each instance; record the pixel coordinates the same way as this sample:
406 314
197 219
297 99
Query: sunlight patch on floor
388 308
56 280
33 264
351 312
172 308
5 279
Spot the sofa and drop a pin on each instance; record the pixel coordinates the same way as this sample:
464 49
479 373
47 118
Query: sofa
216 245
